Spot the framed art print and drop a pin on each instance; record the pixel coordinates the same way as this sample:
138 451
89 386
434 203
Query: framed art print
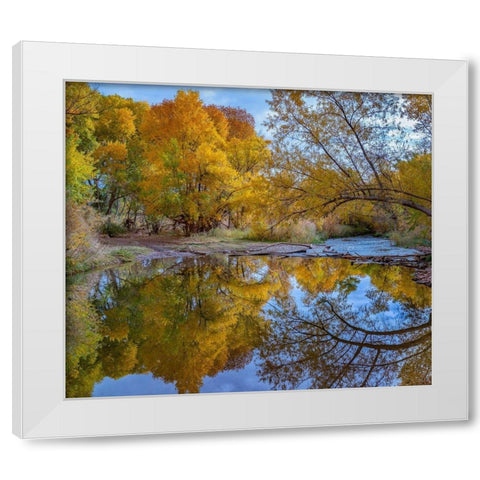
224 240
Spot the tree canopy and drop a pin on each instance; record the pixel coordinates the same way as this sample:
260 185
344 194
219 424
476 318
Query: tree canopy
349 158
339 148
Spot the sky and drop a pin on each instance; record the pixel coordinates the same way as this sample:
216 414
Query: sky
252 100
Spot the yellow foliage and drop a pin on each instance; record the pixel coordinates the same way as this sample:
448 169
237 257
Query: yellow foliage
112 161
78 170
115 124
197 172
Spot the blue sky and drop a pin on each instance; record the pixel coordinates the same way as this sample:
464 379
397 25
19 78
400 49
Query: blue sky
252 100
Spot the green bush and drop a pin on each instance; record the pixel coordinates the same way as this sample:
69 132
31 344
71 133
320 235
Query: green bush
113 229
123 254
128 254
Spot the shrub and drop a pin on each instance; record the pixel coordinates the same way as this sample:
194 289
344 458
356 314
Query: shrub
332 227
301 231
417 236
81 242
112 229
128 254
123 254
229 233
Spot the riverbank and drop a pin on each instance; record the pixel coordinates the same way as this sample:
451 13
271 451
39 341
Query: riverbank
108 256
365 249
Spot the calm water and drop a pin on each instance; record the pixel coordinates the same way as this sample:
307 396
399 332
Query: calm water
230 324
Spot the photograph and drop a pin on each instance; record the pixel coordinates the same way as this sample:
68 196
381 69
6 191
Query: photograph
227 240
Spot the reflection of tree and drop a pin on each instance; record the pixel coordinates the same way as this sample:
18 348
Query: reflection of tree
329 274
186 321
183 321
83 336
333 345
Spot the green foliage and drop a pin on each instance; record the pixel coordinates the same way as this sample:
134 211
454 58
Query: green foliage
123 254
79 170
112 229
128 254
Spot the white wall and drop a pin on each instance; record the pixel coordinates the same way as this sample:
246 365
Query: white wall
406 28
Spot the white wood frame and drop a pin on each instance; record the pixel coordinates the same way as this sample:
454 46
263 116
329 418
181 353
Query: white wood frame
39 407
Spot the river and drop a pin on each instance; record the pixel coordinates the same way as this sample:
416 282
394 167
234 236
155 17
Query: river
219 323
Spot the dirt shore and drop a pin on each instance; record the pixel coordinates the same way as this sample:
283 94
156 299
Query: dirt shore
163 246
169 245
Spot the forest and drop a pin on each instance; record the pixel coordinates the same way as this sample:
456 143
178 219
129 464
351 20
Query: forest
334 164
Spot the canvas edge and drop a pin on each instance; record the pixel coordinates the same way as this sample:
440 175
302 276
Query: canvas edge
17 404
465 69
469 231
459 76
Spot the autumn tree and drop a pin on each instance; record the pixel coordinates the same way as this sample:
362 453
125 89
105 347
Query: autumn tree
81 110
187 175
82 105
419 109
194 175
119 155
337 148
249 155
241 124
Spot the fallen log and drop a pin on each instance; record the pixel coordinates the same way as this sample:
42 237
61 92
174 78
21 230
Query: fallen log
423 277
270 253
191 250
273 245
349 256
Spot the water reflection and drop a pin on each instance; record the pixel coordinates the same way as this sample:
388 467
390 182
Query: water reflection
245 323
